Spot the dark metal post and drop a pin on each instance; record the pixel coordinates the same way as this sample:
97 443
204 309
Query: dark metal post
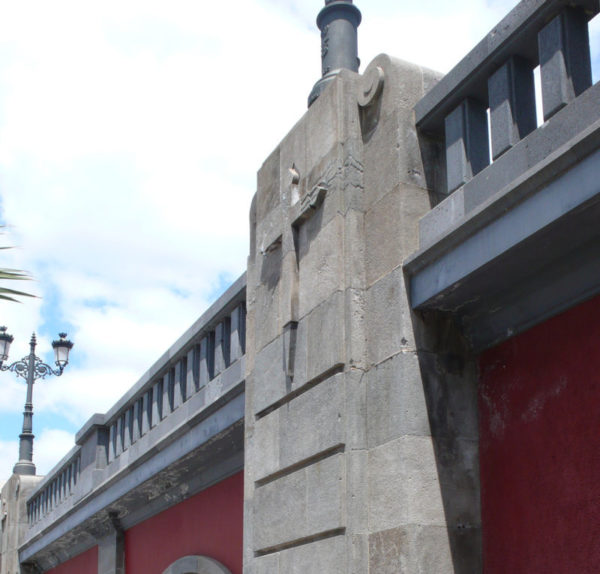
338 22
25 464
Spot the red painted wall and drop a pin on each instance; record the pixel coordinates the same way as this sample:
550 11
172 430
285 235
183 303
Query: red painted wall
539 406
209 523
84 563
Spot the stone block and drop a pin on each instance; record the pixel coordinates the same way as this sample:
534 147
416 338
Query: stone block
321 261
357 500
269 380
326 494
357 553
326 336
306 426
318 557
414 548
389 551
267 196
293 156
280 511
392 156
302 504
392 229
396 400
322 125
267 296
389 323
355 328
267 564
269 230
404 485
264 448
289 289
354 249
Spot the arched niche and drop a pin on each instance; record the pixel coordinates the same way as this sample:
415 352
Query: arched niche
196 565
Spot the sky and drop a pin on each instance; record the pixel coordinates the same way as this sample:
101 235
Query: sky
130 136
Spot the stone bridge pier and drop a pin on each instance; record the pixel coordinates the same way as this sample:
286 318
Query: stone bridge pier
361 425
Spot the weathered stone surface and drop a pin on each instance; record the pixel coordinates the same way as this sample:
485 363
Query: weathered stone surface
391 229
404 485
389 551
412 548
267 295
389 324
304 503
268 185
267 564
326 336
396 400
270 383
316 558
320 255
313 422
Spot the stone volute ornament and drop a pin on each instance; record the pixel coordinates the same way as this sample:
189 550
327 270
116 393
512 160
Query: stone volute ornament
338 22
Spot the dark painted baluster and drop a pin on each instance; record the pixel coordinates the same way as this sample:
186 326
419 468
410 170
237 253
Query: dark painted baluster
179 390
512 104
467 147
193 371
565 65
147 414
238 335
206 360
157 400
222 340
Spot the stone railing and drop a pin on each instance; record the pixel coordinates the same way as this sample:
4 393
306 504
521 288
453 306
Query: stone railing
57 488
497 77
200 369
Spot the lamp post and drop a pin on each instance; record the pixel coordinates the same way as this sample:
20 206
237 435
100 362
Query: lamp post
31 368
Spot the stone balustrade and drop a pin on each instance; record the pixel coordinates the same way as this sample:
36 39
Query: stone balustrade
489 97
197 372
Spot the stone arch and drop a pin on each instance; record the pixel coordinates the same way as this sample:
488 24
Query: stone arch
196 565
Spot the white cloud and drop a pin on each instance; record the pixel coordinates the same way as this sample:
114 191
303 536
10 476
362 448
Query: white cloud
49 447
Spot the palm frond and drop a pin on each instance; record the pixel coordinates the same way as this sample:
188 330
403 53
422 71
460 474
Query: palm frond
12 275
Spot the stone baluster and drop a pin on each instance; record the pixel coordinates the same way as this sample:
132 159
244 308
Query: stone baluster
467 146
512 104
207 353
565 64
238 333
222 342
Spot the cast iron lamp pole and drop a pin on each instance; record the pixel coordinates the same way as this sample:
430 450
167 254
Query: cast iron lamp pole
31 368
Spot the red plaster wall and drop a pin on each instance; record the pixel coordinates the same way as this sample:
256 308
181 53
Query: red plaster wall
84 563
209 523
539 405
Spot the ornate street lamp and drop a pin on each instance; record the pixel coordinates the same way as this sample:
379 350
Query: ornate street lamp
31 368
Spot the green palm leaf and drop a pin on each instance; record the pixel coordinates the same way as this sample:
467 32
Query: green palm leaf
12 275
